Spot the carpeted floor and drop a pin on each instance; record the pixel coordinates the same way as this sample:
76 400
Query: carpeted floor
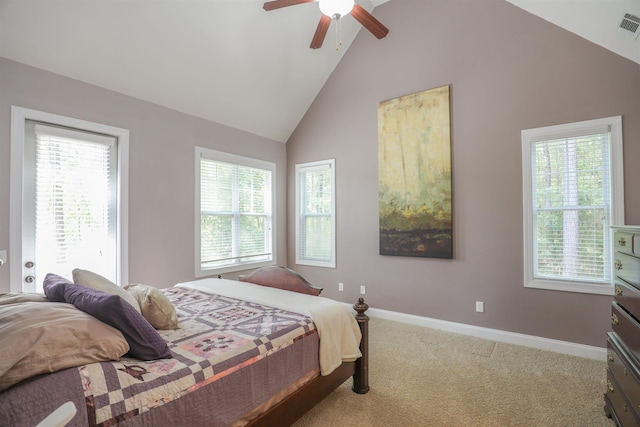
426 377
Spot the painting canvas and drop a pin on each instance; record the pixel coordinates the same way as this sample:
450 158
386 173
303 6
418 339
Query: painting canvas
414 175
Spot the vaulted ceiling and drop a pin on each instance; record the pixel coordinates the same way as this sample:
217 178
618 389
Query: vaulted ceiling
228 61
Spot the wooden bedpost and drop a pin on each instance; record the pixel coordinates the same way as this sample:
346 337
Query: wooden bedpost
361 376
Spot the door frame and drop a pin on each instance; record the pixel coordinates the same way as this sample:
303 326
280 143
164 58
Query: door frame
18 117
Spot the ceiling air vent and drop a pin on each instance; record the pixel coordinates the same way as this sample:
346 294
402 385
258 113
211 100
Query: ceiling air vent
629 25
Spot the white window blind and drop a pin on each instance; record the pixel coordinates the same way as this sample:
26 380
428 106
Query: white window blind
236 205
74 201
572 177
572 199
315 213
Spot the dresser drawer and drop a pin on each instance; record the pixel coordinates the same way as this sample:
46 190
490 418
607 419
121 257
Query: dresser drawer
623 412
624 370
628 296
627 242
627 268
627 328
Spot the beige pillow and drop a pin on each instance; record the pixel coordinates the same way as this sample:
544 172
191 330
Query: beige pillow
95 281
154 306
13 298
38 338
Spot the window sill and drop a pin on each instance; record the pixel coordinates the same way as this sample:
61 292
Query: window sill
311 263
566 286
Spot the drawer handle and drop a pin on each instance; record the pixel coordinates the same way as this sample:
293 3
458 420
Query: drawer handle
614 319
618 264
618 290
622 242
609 386
610 357
625 407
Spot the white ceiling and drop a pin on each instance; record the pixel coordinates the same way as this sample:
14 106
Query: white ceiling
227 61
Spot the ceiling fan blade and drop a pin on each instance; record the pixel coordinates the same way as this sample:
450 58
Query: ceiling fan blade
321 32
277 4
369 21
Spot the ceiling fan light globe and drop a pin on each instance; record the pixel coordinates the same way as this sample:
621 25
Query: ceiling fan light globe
336 7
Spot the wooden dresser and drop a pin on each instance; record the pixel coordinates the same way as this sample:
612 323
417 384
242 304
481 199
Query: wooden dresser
622 399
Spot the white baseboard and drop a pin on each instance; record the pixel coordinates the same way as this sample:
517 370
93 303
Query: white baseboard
565 347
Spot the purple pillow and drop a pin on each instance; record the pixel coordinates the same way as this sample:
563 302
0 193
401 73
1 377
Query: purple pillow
144 341
54 287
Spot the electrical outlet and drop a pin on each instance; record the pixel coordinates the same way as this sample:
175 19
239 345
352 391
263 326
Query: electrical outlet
341 286
479 306
362 290
3 257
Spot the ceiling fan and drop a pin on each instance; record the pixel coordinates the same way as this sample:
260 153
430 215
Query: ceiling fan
334 10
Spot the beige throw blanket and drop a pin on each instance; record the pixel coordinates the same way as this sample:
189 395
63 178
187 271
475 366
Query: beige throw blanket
337 328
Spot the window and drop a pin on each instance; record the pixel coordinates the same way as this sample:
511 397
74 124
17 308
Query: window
573 194
66 208
234 208
315 214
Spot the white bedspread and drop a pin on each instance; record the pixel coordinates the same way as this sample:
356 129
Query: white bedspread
337 328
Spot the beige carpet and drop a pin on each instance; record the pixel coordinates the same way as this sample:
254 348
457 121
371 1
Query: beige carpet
427 377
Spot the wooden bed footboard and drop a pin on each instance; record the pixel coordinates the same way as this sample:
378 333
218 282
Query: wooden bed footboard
290 409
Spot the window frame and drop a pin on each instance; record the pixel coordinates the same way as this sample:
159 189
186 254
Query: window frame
616 208
19 115
224 157
299 169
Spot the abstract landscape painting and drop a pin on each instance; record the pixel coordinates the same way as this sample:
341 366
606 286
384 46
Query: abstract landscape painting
414 175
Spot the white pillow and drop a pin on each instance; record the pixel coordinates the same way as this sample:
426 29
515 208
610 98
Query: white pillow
95 281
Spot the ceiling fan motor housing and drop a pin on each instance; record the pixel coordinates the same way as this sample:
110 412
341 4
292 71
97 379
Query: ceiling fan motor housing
336 8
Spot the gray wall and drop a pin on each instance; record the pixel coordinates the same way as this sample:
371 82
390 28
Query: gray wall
161 172
508 71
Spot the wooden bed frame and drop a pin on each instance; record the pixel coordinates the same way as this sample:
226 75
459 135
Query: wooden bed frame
294 406
284 413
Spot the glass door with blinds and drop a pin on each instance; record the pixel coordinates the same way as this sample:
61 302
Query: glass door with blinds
69 203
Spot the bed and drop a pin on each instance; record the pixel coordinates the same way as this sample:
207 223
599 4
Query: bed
246 352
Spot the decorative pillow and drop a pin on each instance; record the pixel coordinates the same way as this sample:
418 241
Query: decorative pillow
53 286
144 341
154 306
14 298
40 338
95 281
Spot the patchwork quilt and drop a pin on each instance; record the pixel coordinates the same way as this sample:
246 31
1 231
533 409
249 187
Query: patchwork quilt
218 335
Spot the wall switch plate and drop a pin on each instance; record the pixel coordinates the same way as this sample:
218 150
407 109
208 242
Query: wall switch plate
479 306
3 257
362 290
341 286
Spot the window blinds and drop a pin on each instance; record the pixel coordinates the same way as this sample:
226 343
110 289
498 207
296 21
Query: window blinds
571 199
316 212
75 201
235 214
